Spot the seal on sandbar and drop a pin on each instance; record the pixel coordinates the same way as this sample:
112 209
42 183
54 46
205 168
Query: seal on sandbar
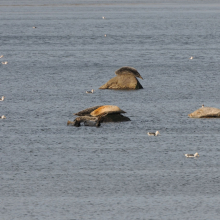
107 109
93 116
87 111
128 70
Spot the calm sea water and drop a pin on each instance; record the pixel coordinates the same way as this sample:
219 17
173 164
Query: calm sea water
51 171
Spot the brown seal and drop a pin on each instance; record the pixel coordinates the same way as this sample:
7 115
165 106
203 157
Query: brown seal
128 70
109 109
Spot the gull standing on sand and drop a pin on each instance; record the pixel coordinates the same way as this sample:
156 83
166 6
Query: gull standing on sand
192 155
2 98
92 91
153 134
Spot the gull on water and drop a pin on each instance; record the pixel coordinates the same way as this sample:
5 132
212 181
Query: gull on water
103 17
1 56
34 27
192 155
6 62
2 98
3 117
92 91
191 58
153 134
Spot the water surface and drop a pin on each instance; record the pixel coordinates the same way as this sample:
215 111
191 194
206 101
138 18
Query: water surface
51 171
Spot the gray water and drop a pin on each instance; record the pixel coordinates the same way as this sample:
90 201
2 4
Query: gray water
51 171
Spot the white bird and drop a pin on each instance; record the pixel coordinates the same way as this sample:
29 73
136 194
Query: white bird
105 35
92 91
3 117
153 134
2 99
103 17
1 56
6 62
202 106
192 155
34 27
191 58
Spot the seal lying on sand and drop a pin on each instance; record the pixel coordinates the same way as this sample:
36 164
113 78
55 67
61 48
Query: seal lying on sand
87 111
205 112
128 70
109 109
125 79
97 114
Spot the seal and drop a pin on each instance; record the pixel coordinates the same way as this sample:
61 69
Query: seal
96 115
205 112
87 111
107 109
88 120
128 70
